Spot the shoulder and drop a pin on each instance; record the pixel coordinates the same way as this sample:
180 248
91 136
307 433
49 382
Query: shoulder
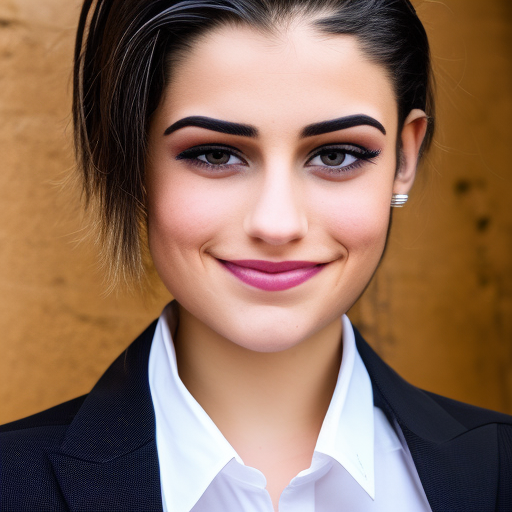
476 417
471 416
58 415
26 476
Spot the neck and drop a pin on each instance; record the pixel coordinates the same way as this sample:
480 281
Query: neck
260 397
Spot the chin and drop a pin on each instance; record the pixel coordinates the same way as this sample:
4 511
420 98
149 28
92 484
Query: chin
267 342
271 331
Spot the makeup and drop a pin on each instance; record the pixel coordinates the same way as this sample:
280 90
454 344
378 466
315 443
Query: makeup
273 276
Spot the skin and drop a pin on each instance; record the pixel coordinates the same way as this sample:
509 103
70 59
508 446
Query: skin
264 364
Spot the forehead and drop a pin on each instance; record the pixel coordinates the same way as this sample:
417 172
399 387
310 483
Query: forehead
288 79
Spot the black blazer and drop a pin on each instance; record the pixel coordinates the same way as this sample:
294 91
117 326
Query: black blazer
98 452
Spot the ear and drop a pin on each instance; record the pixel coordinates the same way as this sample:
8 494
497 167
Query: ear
413 133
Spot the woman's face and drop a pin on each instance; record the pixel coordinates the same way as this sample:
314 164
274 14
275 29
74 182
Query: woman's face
225 202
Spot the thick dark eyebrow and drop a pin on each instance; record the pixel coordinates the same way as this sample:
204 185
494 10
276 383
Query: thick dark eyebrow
342 123
246 130
243 130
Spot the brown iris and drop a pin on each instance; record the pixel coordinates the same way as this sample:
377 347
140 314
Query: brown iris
334 158
217 157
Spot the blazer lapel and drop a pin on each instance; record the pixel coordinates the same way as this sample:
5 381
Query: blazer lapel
457 466
108 458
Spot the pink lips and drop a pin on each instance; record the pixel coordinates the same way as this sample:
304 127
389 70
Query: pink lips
273 276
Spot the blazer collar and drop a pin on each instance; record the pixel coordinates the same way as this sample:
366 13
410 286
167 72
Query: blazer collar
457 466
108 458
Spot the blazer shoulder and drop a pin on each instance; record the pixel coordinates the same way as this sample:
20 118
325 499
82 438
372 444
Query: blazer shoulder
469 415
61 414
474 417
25 441
27 480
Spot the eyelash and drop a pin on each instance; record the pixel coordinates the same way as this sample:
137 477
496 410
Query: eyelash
361 153
192 154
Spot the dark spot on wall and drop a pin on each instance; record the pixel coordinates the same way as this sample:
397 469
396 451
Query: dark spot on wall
482 224
462 187
483 281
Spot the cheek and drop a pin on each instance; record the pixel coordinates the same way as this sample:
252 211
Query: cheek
185 213
364 227
177 216
177 226
357 218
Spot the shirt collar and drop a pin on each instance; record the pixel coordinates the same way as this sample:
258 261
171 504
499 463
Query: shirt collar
347 433
192 451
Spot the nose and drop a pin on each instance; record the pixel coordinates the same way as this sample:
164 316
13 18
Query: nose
277 215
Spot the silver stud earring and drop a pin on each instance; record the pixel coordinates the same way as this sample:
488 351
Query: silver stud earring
398 200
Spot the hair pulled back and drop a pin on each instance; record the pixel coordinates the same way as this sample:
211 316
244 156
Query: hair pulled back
124 54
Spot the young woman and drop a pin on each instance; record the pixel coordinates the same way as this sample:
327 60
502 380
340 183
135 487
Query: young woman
255 147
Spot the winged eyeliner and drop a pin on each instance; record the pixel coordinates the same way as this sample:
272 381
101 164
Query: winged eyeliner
245 130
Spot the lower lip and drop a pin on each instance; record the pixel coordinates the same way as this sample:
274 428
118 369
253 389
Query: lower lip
272 282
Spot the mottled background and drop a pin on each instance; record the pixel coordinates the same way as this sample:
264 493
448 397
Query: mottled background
439 309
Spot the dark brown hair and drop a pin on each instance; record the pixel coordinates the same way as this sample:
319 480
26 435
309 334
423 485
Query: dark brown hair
123 60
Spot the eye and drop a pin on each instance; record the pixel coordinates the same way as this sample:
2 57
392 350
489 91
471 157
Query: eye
212 157
333 159
341 158
219 157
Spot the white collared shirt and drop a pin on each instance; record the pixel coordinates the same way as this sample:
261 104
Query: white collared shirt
360 463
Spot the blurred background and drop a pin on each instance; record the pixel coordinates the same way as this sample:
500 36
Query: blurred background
439 309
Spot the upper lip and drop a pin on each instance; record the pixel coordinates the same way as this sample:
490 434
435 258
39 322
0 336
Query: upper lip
273 267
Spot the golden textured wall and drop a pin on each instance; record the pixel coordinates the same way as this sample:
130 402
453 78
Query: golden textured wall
439 309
